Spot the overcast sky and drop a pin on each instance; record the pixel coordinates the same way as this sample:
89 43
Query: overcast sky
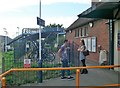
23 13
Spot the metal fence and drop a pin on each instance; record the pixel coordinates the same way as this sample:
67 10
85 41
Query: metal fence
18 78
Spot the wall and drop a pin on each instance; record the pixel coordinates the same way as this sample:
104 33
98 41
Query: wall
99 30
71 37
116 52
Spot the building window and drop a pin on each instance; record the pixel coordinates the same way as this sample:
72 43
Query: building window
84 32
90 43
93 40
80 32
77 33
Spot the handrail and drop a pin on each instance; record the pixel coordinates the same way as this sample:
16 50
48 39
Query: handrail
112 85
61 68
57 68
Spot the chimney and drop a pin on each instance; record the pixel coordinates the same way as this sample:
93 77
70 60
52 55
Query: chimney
94 2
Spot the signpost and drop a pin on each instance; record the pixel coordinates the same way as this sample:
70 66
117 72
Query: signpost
40 22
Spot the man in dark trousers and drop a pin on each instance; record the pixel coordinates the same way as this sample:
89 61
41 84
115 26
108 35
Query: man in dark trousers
62 55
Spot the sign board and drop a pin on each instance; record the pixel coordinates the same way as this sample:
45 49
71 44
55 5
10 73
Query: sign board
40 22
30 30
27 63
118 41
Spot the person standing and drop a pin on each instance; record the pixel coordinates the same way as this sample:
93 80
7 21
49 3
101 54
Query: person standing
63 57
82 57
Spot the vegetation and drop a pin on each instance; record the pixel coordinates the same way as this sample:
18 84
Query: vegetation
18 78
53 38
0 60
55 25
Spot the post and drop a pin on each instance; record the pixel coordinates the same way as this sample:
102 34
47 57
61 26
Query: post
77 78
18 30
3 64
69 51
57 37
3 82
40 59
5 40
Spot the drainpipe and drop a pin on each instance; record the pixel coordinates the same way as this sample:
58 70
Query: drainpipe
111 42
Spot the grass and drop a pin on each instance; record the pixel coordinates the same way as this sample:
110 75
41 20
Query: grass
0 60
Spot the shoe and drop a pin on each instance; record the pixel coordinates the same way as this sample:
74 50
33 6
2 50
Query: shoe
63 77
70 77
82 72
85 71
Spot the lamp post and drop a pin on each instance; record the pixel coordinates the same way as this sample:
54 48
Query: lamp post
18 30
5 42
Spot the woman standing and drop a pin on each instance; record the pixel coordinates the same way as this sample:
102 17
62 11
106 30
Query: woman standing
81 49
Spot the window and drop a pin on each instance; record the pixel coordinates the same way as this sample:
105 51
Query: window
90 43
77 33
93 44
81 32
84 32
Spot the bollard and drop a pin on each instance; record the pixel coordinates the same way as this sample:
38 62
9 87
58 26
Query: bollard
3 82
77 78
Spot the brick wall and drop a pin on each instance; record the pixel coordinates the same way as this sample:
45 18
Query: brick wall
100 30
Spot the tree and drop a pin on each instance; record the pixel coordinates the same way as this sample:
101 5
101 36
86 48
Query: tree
55 25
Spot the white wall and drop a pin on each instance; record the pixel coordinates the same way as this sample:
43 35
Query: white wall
116 52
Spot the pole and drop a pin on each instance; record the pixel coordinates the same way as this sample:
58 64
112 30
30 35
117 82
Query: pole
40 59
77 78
3 82
18 30
57 37
5 30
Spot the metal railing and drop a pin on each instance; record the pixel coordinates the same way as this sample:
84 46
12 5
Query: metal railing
3 79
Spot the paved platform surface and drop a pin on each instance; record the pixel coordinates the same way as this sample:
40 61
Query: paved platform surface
95 77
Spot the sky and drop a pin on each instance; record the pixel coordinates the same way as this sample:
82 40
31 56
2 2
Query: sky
18 14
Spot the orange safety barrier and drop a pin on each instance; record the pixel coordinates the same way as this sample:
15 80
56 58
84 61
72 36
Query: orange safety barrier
67 68
77 78
3 82
113 85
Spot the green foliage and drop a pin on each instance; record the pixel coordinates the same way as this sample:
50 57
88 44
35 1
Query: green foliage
0 54
61 39
55 25
9 54
0 60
